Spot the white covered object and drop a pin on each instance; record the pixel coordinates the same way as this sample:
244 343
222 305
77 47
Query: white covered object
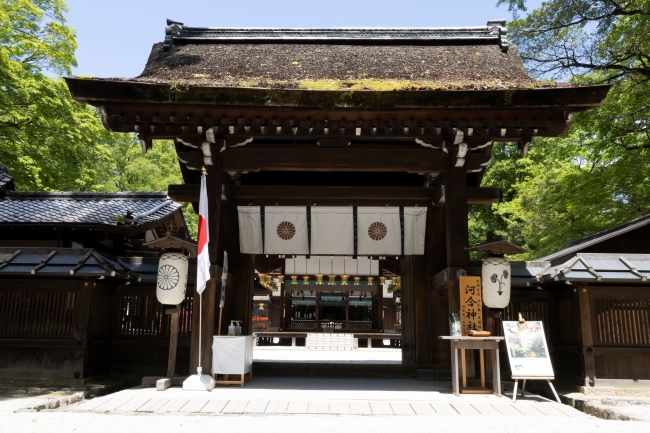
232 355
378 231
285 230
250 229
332 230
171 283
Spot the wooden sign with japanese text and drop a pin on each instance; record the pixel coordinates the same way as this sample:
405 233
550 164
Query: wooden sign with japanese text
471 304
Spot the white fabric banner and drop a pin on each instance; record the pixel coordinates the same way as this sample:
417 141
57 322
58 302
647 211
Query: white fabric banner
415 225
285 230
378 231
250 230
332 230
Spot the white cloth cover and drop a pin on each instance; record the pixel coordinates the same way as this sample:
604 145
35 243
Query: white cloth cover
285 230
232 355
415 226
378 231
250 230
332 230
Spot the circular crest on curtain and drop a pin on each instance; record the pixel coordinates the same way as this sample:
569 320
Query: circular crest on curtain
286 230
377 231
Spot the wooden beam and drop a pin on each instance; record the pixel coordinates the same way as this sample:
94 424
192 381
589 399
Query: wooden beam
299 195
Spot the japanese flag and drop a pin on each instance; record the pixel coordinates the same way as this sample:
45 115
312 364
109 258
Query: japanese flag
203 259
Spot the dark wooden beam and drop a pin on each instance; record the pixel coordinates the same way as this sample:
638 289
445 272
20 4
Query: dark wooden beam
330 195
409 160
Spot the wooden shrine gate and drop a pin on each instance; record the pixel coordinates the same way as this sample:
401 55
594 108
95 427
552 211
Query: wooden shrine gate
286 138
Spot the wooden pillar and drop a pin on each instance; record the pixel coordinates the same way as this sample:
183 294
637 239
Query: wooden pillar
456 215
210 299
408 311
588 363
81 328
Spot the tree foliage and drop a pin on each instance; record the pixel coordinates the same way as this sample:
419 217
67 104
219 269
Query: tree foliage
597 175
47 140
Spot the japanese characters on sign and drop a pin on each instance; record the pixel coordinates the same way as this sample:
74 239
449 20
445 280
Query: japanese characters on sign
471 304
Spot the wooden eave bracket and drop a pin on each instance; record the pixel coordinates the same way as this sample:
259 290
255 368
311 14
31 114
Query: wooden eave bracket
80 263
43 262
633 269
8 260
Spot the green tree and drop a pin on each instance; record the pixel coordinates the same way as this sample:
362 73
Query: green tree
597 175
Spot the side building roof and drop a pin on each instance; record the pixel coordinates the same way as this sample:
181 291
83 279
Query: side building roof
115 212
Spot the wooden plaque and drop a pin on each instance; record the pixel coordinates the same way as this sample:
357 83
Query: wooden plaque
471 304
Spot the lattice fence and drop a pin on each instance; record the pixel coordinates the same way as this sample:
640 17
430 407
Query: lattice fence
144 315
36 313
622 321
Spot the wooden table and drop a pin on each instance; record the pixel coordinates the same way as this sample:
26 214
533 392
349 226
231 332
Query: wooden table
481 343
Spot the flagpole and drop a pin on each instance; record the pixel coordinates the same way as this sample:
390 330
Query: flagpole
199 369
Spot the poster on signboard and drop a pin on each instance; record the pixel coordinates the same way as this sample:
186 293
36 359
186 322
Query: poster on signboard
527 350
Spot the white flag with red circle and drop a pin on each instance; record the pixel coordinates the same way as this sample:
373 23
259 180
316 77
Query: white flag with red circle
203 258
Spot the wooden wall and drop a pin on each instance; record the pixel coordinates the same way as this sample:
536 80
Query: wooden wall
75 329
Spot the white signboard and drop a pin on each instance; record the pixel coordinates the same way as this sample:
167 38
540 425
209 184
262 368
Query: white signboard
527 350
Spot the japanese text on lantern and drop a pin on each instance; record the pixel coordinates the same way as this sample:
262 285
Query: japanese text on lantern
471 304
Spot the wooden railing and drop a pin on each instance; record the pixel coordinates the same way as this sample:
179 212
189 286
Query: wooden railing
352 325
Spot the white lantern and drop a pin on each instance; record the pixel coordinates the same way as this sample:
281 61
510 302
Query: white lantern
496 282
172 278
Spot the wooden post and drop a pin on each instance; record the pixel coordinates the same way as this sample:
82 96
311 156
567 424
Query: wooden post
173 341
588 364
81 328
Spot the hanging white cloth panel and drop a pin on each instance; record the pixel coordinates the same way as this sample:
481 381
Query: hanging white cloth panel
378 231
250 230
415 225
332 230
285 230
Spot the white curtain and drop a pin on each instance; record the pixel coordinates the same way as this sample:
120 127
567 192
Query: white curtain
250 230
332 230
378 231
285 230
415 225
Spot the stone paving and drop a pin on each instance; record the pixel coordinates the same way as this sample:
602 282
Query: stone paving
326 396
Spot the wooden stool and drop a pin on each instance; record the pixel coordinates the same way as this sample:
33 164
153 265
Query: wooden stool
223 379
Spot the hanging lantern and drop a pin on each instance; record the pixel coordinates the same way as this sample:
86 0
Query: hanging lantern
344 280
382 281
398 282
370 280
356 280
332 278
172 278
305 280
496 282
319 279
294 279
281 279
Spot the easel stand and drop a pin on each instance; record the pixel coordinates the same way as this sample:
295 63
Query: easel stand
523 386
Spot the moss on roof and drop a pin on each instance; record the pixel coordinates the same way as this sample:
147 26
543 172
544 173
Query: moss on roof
336 67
